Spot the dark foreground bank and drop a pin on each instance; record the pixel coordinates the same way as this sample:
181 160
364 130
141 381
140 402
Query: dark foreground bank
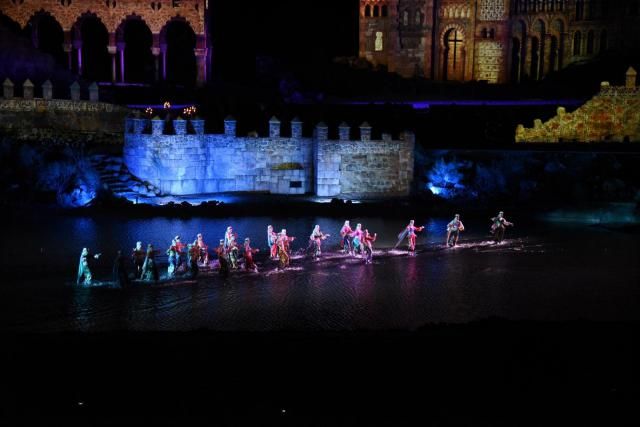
487 373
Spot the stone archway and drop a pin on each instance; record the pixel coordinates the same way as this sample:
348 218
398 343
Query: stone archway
453 53
91 42
178 44
136 41
47 35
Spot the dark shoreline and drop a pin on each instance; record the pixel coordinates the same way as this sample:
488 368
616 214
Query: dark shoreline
490 372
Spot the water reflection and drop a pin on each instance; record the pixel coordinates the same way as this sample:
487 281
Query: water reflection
567 273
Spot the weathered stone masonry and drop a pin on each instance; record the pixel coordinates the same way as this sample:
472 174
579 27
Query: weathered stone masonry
191 163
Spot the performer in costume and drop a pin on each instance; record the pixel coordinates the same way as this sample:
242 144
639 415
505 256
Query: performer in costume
368 240
193 255
120 275
232 252
149 268
180 253
172 254
499 226
272 242
453 230
356 239
284 248
223 263
345 233
248 256
229 235
203 250
316 239
410 233
138 256
84 267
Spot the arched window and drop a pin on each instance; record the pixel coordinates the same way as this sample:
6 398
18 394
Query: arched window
379 42
577 43
492 33
579 10
418 18
560 4
590 42
541 4
590 9
516 7
367 10
376 11
604 41
385 10
453 55
484 34
405 18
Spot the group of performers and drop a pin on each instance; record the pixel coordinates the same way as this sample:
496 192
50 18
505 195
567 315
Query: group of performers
188 259
357 241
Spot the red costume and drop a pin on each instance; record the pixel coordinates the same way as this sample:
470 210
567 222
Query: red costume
248 256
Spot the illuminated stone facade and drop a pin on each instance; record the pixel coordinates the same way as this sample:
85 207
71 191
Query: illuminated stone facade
185 160
494 40
114 14
612 115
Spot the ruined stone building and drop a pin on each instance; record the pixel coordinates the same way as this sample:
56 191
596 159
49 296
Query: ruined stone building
99 39
497 41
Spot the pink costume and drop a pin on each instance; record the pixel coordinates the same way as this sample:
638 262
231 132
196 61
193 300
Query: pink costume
411 233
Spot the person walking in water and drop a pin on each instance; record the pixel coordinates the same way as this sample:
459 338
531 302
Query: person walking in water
499 226
315 241
84 267
453 230
410 233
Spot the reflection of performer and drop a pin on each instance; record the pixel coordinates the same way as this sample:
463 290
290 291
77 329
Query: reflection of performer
368 240
272 242
453 230
84 267
345 233
316 239
410 233
248 256
203 250
138 255
223 264
499 226
149 268
284 249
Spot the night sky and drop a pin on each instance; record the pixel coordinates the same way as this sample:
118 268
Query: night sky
291 31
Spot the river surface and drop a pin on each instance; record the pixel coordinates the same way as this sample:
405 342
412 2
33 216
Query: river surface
543 271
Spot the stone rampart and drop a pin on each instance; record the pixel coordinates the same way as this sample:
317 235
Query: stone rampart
192 162
30 117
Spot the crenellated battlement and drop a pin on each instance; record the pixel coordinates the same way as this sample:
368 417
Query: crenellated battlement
178 157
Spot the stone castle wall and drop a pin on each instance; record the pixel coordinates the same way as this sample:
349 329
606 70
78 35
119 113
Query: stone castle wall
364 168
613 115
28 117
194 163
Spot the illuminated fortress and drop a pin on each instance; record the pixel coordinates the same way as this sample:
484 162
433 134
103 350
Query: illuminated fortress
497 41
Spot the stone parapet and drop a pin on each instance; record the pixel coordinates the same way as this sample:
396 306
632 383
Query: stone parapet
184 164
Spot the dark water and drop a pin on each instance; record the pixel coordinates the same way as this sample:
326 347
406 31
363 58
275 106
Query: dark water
542 271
